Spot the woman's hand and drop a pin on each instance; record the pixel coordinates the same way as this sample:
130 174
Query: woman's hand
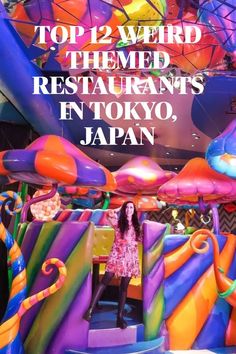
112 217
111 214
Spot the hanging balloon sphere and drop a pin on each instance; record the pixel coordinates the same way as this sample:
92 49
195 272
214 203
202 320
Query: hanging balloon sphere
220 17
192 57
46 209
51 13
142 12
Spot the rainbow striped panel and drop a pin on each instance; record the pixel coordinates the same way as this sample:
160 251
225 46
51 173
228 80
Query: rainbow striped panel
194 314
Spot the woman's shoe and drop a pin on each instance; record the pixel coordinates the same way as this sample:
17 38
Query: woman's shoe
88 314
120 322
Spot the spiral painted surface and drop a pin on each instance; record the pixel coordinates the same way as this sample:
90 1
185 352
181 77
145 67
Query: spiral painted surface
32 300
195 316
226 286
10 341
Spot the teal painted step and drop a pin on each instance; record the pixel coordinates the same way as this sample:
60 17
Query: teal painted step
148 347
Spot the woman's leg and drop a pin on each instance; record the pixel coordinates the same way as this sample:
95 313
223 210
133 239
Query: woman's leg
122 299
97 294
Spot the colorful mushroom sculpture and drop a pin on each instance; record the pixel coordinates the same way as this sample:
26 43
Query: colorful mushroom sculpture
221 153
53 159
138 180
50 160
47 161
141 175
198 184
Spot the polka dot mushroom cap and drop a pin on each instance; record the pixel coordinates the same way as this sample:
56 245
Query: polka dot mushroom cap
198 181
53 159
141 175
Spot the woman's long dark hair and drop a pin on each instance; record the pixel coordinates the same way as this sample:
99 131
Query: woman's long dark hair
123 222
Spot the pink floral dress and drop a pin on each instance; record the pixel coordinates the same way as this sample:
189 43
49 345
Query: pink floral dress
123 260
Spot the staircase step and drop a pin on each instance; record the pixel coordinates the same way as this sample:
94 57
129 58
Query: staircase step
103 326
105 316
115 336
148 347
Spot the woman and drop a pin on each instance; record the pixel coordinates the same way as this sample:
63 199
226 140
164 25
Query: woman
123 259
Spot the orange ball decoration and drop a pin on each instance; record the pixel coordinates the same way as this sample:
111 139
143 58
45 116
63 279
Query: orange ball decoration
46 209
